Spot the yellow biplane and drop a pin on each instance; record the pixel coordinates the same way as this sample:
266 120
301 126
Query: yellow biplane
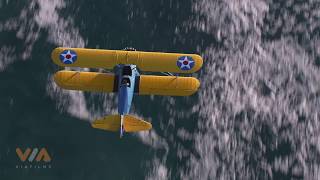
126 79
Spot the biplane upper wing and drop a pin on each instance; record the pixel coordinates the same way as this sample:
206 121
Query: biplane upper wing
167 85
145 61
85 81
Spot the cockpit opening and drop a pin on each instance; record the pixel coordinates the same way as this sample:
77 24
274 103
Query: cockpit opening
125 82
127 71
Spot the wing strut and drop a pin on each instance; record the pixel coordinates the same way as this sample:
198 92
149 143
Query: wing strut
167 73
121 126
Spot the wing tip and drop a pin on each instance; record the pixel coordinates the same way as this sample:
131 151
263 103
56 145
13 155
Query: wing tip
199 62
57 78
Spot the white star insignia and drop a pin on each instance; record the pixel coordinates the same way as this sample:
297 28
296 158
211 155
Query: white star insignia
183 65
68 59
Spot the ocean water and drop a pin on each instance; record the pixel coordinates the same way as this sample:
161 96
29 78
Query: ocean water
255 116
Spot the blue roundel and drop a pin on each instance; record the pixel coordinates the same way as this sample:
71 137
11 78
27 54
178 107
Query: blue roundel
68 56
185 63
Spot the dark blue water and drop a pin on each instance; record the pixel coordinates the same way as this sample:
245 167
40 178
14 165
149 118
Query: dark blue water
256 115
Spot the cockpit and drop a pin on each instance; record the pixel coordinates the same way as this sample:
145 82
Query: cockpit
125 82
126 71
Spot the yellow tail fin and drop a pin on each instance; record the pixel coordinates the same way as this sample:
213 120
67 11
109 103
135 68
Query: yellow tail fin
130 123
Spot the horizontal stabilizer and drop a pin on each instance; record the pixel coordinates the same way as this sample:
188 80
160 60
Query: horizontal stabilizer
133 124
85 81
130 123
109 123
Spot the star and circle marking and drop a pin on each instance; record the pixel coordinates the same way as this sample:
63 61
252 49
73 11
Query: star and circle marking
68 56
185 63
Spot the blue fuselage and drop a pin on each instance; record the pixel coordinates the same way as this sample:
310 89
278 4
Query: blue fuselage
126 75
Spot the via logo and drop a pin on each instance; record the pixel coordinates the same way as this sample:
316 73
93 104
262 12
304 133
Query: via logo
33 154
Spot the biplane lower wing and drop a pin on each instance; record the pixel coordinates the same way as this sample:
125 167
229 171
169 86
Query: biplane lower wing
167 85
147 85
145 61
85 81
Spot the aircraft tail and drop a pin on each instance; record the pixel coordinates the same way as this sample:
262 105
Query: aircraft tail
129 124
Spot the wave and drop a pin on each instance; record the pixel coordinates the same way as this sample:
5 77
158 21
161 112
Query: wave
259 108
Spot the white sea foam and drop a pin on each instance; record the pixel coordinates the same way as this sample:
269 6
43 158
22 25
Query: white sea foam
259 98
158 170
7 56
62 32
152 139
71 101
